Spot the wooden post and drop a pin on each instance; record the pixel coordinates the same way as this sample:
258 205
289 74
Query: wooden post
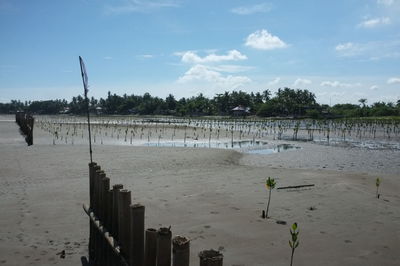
96 190
105 187
114 222
164 247
109 218
97 236
150 250
180 251
91 180
100 207
137 234
92 231
109 210
124 201
99 214
105 181
210 258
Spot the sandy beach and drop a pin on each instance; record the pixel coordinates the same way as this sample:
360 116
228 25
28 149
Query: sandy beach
213 196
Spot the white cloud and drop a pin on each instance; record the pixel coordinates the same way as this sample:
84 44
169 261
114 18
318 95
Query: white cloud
301 82
132 6
370 50
374 88
385 2
344 46
107 58
248 10
231 68
274 81
202 73
263 40
192 57
337 84
393 80
147 56
375 22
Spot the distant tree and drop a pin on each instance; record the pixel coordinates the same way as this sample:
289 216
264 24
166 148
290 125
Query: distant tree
363 101
171 102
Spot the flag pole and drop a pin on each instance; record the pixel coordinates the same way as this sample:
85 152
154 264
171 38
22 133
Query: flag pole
85 87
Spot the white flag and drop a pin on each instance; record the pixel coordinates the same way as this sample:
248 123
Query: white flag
84 76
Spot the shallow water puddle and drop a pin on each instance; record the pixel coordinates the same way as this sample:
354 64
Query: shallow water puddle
278 148
222 145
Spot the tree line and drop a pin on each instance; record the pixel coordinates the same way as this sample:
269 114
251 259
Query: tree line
285 103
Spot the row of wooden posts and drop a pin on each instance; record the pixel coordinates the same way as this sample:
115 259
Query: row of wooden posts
25 122
118 235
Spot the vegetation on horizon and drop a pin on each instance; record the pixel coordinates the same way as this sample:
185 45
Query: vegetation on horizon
286 103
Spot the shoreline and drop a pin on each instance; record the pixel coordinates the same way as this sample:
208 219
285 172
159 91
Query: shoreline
212 196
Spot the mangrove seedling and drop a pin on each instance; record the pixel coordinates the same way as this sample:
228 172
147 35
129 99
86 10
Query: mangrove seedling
270 184
377 183
294 243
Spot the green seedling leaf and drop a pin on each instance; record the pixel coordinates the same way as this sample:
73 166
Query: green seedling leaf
294 243
269 184
294 226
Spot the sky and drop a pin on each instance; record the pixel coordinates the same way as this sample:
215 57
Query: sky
341 50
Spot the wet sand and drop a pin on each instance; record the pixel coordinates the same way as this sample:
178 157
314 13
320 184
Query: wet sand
212 196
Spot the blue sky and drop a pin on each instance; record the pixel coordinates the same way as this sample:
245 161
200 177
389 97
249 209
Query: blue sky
341 50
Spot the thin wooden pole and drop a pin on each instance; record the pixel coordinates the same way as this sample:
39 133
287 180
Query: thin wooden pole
85 87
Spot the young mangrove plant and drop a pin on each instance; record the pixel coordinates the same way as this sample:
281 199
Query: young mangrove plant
269 184
377 183
294 243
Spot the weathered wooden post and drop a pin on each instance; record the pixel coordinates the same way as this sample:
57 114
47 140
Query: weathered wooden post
100 212
96 190
137 234
164 247
180 251
109 211
100 215
105 185
150 251
91 227
210 258
124 201
97 236
114 222
105 188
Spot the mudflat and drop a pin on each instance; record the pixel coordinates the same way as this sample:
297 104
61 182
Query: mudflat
212 196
